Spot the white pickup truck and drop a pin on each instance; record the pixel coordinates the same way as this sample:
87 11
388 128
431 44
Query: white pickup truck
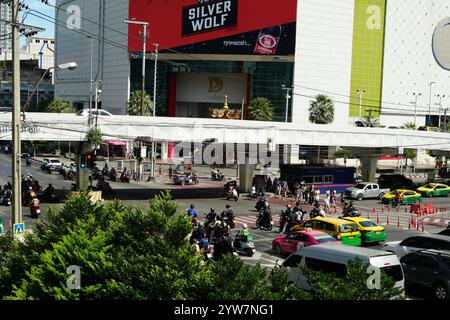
365 190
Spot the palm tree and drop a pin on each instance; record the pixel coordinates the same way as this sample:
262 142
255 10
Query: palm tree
261 109
321 110
408 126
134 105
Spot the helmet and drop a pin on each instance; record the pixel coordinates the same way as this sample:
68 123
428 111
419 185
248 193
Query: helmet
244 226
228 206
217 223
192 206
212 210
288 206
30 188
322 212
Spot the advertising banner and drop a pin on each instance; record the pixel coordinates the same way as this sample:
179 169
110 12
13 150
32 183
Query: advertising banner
251 27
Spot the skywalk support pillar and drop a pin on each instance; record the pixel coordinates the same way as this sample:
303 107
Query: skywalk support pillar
369 168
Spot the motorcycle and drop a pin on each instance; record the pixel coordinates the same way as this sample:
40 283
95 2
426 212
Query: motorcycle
112 176
28 162
232 195
125 178
352 212
262 222
35 208
244 245
48 197
251 196
217 177
5 198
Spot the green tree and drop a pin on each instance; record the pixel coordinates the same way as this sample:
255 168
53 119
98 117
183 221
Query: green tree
352 285
261 109
344 153
409 154
60 106
134 105
94 136
125 253
408 126
321 110
41 107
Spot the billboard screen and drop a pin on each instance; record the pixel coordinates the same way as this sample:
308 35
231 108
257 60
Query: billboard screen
253 27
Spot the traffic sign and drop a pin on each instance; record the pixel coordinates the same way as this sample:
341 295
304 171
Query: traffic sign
19 228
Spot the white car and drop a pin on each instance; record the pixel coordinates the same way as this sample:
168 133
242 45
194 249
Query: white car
54 164
99 112
416 243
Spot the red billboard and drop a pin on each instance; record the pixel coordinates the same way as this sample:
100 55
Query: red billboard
255 27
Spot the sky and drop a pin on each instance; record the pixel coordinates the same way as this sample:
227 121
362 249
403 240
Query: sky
34 21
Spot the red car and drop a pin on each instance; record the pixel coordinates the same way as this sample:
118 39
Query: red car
293 241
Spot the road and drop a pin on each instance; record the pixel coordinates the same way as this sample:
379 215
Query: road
210 194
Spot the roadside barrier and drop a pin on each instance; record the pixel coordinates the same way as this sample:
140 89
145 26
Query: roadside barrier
398 222
378 218
387 219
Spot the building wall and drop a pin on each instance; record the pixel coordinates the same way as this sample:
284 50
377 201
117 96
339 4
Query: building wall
5 29
409 63
323 55
110 64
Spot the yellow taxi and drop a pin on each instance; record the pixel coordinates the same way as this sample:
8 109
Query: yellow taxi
343 230
434 190
370 231
408 197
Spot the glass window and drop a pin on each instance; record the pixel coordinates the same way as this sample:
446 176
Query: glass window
324 239
326 266
367 224
308 179
375 187
321 225
328 179
394 272
330 227
427 261
293 236
318 179
359 186
410 259
417 242
293 261
441 187
446 260
369 187
440 244
350 227
409 193
309 224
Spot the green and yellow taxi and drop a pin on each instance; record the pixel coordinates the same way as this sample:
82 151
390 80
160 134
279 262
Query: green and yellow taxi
340 229
434 190
408 197
370 231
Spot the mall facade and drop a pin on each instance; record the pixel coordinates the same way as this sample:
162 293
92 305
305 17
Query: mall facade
388 59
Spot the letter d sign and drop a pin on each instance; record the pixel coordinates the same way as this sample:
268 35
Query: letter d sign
74 280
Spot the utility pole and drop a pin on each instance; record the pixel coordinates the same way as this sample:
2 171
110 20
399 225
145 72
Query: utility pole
445 120
90 86
16 215
153 160
288 96
429 104
417 95
361 92
144 49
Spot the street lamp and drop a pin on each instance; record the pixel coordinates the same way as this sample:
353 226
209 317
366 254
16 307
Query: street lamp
440 96
417 95
288 96
361 92
429 103
69 65
90 84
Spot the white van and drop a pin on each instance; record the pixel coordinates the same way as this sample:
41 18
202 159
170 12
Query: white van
334 259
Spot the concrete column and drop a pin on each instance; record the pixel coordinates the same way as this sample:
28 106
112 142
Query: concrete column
368 168
164 151
246 176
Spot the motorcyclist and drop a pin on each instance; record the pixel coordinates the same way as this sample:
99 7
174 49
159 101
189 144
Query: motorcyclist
299 211
253 192
8 186
112 174
105 170
347 209
192 212
210 217
242 235
49 190
285 217
228 215
315 210
398 198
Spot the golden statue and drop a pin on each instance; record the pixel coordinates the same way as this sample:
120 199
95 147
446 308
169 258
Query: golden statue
225 112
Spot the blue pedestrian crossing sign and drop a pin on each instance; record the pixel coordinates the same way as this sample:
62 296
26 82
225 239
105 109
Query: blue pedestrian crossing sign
18 228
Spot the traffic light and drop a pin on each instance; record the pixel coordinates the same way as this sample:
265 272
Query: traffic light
83 162
90 160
